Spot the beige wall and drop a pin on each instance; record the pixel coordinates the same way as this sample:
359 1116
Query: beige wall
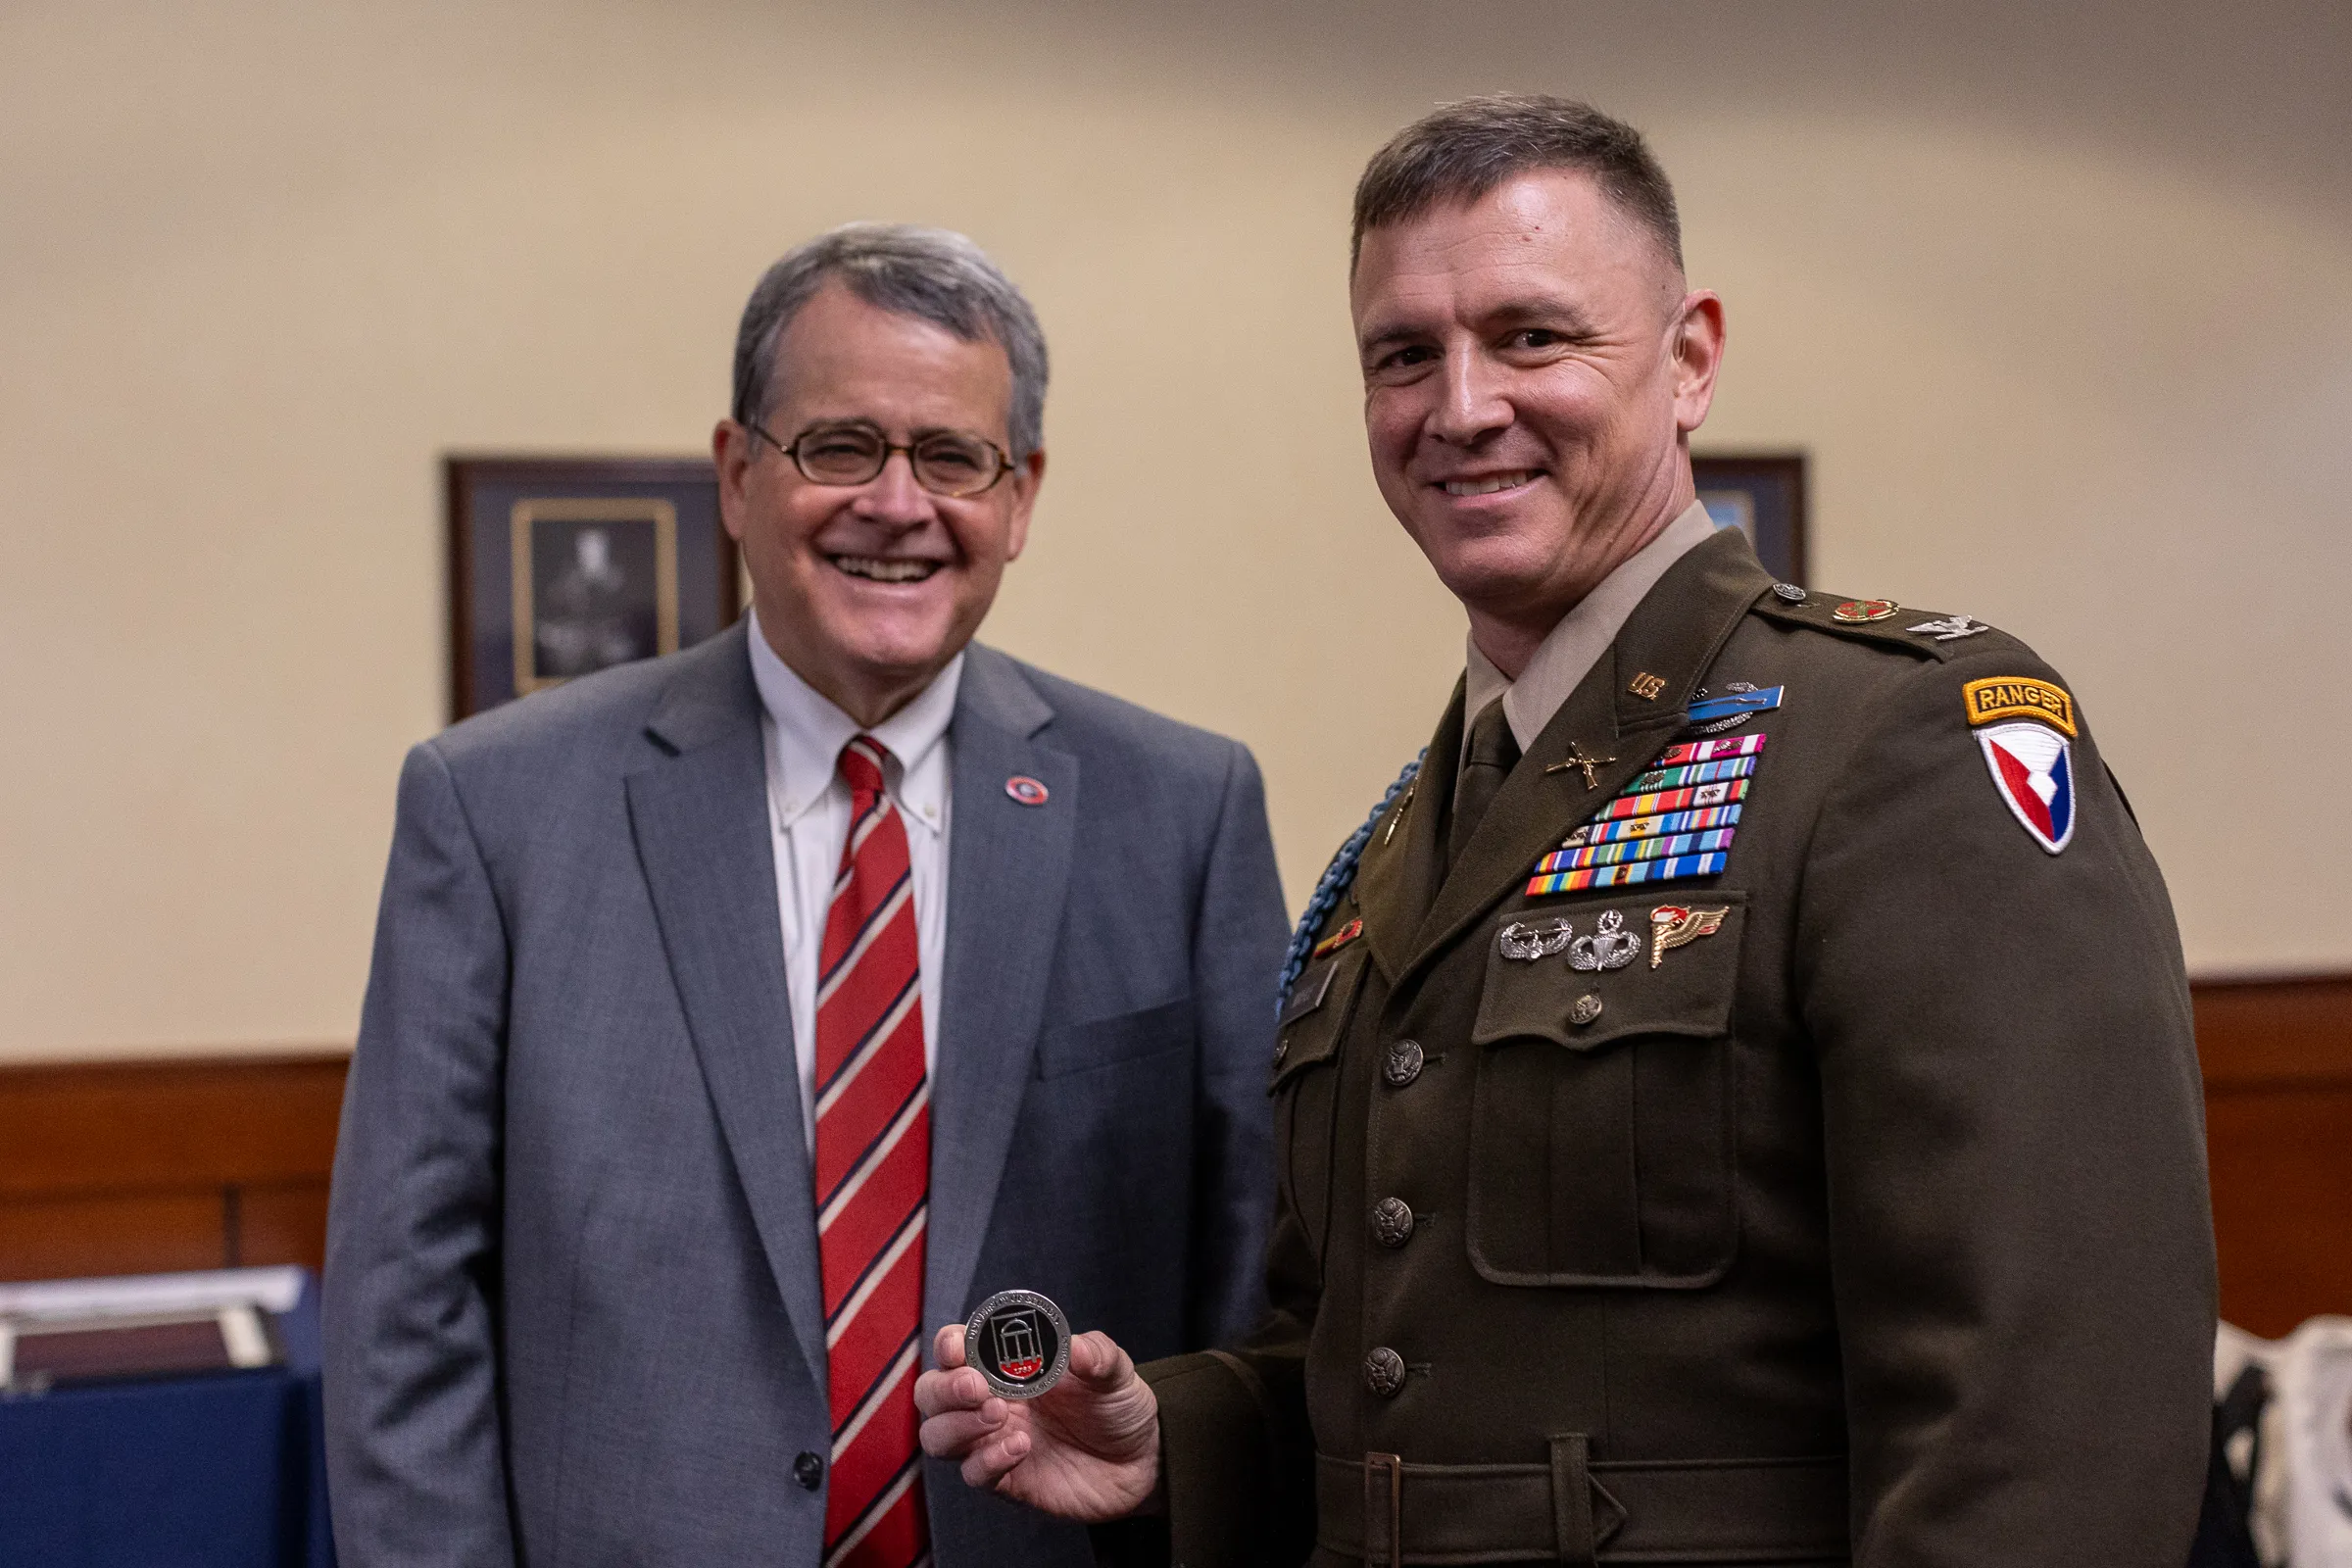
2063 312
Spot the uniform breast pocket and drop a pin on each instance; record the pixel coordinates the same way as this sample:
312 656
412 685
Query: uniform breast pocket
1601 1133
1305 1086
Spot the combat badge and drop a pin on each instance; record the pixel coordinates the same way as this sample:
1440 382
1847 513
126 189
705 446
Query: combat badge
1672 925
1856 610
1528 943
1612 947
1739 703
1020 1341
2033 767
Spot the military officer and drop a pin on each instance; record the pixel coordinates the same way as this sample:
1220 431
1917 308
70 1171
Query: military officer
1736 1098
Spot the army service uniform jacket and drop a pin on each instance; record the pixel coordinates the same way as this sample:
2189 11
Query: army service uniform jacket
1868 1223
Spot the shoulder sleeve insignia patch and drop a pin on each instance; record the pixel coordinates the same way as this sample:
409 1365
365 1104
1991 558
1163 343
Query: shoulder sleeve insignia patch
2034 769
2018 697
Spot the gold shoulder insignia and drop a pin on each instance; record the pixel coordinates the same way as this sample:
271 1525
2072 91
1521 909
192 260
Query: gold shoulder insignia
2018 697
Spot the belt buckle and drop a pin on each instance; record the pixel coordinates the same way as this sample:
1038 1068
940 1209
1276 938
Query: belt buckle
1393 1464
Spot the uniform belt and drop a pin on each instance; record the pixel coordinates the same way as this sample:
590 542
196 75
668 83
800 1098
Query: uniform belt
1574 1510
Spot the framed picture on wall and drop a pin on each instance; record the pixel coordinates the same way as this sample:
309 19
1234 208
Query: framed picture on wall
563 566
1762 494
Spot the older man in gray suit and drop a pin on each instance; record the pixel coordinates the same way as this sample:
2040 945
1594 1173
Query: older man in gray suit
737 1014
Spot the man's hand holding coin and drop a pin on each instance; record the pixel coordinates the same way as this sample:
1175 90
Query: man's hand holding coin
1087 1448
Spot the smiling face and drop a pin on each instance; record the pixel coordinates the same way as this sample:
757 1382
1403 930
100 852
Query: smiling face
867 591
1533 368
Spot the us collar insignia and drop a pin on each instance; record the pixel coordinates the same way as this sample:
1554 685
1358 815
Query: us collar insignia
1672 925
1676 820
2033 768
1739 703
1855 610
1338 939
1950 629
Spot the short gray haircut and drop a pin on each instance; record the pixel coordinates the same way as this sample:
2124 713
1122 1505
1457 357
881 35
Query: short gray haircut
933 275
1461 151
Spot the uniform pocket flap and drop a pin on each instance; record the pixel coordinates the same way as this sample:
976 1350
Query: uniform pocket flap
1587 975
1313 1016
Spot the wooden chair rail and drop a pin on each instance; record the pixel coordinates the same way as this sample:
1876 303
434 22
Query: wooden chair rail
127 1167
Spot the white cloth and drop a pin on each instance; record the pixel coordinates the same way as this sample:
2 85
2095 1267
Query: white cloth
1571 648
2302 1483
808 818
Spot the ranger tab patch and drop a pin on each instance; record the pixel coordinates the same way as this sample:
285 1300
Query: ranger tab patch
2033 766
2018 697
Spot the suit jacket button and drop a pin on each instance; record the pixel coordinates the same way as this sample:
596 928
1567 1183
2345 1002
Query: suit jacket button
809 1470
1383 1372
1404 1065
1393 1221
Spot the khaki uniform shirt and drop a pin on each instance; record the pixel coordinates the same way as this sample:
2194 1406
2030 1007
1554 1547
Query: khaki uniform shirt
1869 1225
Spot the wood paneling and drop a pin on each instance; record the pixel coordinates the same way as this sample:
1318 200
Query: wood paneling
121 1168
2277 1060
128 1167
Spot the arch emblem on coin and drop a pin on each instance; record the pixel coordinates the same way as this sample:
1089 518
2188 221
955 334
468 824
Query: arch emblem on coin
1020 1341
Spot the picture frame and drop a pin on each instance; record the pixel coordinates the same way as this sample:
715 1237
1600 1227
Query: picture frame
1763 495
561 566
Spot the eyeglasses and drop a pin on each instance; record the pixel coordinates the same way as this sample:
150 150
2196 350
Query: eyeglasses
946 463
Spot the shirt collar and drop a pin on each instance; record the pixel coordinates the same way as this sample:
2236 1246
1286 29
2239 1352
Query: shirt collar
1571 648
806 732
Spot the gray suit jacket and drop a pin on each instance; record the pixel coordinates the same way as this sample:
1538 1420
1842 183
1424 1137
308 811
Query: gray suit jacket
572 1303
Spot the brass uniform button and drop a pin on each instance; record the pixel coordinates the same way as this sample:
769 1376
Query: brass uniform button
1404 1065
1393 1221
1383 1372
1585 1009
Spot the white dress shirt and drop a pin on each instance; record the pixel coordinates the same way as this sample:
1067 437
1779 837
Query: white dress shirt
808 818
1571 648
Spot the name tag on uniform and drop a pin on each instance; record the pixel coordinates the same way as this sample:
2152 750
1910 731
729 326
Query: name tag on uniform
1306 996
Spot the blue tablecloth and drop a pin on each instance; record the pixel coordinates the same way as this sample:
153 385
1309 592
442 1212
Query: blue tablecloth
222 1471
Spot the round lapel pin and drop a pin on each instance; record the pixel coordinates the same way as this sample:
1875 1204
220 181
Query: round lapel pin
1020 1343
1026 790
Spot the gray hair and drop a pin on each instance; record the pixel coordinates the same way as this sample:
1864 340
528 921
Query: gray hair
933 275
1461 151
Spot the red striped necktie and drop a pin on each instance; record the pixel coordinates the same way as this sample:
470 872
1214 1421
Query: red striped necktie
873 1171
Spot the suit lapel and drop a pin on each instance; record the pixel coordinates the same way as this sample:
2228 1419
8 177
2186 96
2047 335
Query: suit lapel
699 816
1009 868
1674 634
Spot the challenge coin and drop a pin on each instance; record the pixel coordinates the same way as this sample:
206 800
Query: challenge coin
1020 1341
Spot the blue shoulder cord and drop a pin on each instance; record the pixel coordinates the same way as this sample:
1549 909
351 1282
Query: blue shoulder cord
1336 879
